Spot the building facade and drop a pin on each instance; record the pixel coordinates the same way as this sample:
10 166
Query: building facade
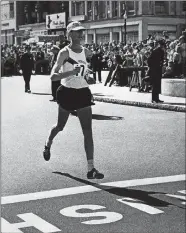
8 22
103 20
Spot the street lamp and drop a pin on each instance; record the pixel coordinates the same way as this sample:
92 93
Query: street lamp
125 23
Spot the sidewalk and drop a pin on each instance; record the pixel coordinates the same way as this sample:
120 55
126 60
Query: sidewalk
122 95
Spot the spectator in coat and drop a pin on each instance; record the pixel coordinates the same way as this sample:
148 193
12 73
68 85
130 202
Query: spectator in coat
155 63
39 61
96 64
177 61
27 65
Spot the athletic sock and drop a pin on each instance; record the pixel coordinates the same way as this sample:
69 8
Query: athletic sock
48 143
90 164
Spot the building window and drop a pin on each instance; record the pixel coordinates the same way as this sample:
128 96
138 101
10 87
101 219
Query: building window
96 10
122 6
159 7
108 9
102 9
172 7
114 9
130 8
5 12
89 9
11 10
80 8
184 6
73 8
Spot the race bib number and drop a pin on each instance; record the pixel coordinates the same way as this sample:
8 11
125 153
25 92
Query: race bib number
82 70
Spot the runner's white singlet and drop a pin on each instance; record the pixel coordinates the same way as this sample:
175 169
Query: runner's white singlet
75 81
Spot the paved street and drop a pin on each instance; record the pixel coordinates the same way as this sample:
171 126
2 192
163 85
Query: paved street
141 151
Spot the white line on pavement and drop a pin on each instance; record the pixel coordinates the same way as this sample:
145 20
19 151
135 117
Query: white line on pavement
182 191
88 189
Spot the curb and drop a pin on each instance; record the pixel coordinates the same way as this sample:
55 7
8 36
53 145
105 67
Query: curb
141 104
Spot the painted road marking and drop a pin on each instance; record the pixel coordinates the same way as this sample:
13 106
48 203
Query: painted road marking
176 196
30 220
182 191
88 188
140 206
179 196
109 217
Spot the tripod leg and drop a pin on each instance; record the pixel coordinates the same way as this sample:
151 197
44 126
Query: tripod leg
113 76
109 76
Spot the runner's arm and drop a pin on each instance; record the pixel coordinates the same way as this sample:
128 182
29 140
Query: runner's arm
62 56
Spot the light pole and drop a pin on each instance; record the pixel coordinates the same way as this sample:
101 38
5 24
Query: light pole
125 23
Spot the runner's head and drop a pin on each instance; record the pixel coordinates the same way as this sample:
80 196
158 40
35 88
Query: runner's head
75 31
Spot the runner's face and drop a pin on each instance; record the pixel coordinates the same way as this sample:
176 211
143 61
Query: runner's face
77 35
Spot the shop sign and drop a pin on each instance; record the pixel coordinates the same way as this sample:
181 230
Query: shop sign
56 21
20 33
37 33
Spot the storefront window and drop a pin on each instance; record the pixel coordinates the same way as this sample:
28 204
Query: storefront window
103 38
158 34
159 7
132 37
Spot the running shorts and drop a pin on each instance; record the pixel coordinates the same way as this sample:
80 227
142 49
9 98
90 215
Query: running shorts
72 99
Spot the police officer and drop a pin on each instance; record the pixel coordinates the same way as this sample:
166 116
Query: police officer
27 65
155 63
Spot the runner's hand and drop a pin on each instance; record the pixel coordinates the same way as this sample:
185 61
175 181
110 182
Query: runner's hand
77 69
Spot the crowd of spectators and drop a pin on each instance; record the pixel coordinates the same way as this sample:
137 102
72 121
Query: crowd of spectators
11 54
137 54
105 56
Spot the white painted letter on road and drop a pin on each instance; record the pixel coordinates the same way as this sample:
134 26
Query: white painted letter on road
108 216
31 220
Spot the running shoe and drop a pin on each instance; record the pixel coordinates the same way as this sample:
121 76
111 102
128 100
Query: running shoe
46 153
94 174
53 100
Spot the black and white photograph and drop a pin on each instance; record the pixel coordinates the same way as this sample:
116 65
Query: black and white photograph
93 103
